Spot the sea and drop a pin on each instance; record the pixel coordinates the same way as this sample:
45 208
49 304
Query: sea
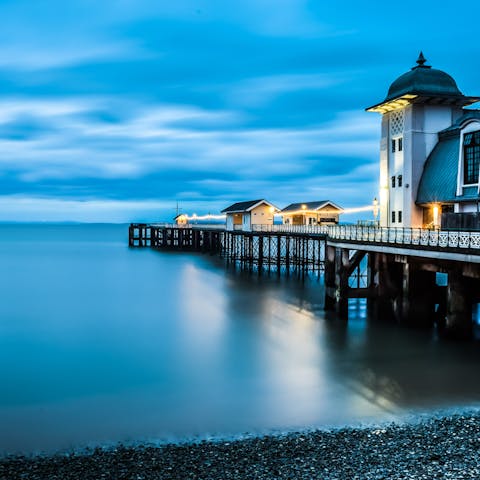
103 344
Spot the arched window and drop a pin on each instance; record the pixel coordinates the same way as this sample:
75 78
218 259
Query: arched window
471 157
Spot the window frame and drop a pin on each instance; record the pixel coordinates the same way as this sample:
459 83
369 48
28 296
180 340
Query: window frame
471 157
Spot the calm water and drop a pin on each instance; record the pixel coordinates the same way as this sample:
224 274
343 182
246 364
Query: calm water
100 343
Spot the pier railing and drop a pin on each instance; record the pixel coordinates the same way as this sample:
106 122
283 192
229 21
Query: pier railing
320 229
403 236
437 239
407 236
197 226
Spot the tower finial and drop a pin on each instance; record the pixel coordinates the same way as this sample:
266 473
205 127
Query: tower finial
421 60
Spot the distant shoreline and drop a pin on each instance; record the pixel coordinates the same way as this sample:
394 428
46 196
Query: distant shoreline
433 446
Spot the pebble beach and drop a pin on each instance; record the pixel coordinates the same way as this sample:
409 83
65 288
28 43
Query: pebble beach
435 447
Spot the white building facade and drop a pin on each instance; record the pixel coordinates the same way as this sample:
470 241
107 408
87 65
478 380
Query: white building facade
420 107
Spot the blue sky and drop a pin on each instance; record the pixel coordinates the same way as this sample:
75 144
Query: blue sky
114 111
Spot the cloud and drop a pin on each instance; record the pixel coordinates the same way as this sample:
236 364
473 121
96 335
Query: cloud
169 137
37 209
29 57
99 149
261 90
146 101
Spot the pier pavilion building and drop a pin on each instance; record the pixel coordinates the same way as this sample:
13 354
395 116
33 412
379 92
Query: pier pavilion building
181 219
322 212
245 215
429 152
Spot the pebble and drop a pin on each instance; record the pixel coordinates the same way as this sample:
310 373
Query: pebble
444 447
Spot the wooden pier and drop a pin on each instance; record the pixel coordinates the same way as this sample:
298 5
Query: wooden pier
207 240
260 251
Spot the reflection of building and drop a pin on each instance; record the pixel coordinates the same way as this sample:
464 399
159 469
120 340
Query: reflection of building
244 215
323 212
429 151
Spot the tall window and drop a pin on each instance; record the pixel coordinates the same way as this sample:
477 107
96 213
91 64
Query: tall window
393 216
471 157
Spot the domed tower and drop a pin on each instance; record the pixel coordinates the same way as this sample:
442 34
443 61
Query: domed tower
419 104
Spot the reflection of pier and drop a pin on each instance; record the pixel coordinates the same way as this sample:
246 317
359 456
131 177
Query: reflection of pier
395 269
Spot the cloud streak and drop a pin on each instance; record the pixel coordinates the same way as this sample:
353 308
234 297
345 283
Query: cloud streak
145 103
167 138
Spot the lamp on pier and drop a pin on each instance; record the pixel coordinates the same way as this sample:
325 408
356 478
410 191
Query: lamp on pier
375 209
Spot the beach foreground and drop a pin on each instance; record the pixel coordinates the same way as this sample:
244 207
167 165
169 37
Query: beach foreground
445 447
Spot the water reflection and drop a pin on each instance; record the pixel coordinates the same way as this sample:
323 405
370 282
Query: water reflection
102 343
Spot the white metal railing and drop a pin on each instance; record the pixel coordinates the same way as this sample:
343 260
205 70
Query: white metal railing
216 226
291 228
403 236
407 236
438 239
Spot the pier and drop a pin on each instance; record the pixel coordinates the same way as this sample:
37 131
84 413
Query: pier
260 250
394 269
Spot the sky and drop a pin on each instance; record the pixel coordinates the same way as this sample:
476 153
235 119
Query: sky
116 111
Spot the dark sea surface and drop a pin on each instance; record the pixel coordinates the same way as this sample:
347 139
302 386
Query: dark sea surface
100 343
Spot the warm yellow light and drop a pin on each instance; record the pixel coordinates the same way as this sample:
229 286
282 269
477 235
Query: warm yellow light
206 217
304 207
393 104
436 211
271 209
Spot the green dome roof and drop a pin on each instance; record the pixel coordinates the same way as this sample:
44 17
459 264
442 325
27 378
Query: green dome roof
424 80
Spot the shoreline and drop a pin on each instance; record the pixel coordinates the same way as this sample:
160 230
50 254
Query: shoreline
437 445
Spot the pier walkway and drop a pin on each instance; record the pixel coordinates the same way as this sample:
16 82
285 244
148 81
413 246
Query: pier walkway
370 237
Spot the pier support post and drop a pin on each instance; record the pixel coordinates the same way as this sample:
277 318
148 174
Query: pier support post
371 276
336 280
131 236
329 278
388 287
260 253
418 296
341 282
458 321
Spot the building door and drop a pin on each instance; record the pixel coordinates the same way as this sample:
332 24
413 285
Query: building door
297 220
